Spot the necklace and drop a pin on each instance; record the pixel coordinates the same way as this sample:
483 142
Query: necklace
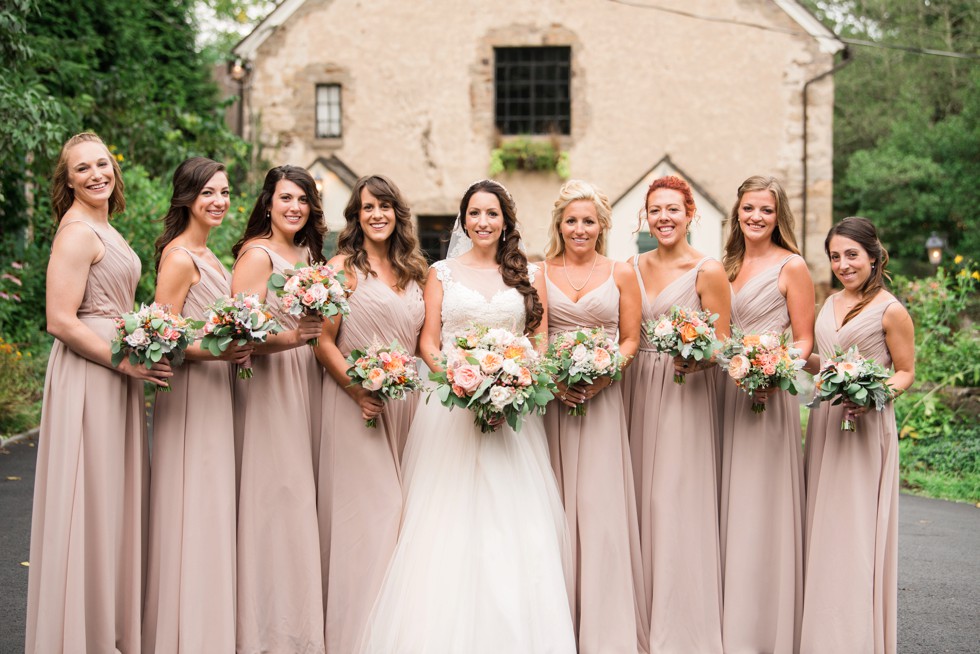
564 267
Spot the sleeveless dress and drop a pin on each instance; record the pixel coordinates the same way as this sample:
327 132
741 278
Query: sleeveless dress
280 594
591 457
478 567
761 495
672 430
88 529
851 561
360 494
190 570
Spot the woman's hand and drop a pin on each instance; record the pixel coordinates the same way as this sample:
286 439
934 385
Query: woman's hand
240 355
309 327
576 394
853 411
684 366
159 374
762 395
371 405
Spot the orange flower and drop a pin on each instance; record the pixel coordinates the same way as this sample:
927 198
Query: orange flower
513 352
751 340
688 332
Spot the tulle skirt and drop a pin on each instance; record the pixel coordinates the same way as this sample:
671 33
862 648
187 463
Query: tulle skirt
480 562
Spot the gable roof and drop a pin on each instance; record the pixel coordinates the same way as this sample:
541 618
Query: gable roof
249 45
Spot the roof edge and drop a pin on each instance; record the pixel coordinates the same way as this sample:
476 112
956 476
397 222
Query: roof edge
828 40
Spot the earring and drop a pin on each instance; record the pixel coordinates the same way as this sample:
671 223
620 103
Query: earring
503 236
268 215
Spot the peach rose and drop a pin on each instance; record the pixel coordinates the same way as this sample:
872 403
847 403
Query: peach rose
688 332
468 378
601 359
738 367
491 362
375 379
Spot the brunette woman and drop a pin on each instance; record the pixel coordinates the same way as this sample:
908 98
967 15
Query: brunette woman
673 436
85 582
591 453
851 561
280 603
360 495
190 585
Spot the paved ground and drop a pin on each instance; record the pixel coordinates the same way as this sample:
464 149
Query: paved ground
939 565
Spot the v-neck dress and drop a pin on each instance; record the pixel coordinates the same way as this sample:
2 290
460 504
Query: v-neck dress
90 488
591 457
190 575
673 438
359 489
280 594
761 495
850 601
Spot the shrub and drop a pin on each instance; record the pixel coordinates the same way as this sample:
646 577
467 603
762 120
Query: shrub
20 389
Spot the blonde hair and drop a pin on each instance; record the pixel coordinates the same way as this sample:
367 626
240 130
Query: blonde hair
783 235
63 196
572 190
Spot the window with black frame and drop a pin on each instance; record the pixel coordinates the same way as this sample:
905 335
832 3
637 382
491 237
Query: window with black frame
434 232
328 111
532 90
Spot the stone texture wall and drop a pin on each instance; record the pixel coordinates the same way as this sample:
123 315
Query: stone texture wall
723 101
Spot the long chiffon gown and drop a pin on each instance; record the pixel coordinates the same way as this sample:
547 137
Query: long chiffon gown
478 567
190 573
851 562
280 594
591 457
360 494
88 529
672 430
761 496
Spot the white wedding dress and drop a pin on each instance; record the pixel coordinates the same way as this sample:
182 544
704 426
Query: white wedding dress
479 567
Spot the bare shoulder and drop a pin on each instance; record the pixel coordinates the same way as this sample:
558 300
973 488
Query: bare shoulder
714 271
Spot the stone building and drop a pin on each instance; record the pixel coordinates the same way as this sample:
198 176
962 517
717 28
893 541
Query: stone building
627 90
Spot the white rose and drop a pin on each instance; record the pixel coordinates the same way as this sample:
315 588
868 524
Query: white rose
138 338
511 367
663 328
292 285
319 292
500 397
580 354
769 341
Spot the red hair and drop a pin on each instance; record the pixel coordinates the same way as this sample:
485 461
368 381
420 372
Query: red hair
673 183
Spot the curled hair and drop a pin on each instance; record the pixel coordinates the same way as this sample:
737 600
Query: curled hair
670 183
403 245
862 231
260 221
63 196
783 235
189 178
510 258
571 191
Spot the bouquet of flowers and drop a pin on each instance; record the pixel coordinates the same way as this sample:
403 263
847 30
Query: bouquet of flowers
584 356
314 290
241 319
151 334
685 333
760 361
849 376
386 370
496 374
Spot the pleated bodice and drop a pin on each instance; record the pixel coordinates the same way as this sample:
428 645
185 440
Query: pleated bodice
379 314
112 280
212 285
759 306
864 331
681 292
597 308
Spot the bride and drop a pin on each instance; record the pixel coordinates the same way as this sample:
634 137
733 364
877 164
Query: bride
480 561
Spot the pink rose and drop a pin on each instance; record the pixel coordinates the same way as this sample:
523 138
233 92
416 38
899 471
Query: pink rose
738 367
601 359
468 378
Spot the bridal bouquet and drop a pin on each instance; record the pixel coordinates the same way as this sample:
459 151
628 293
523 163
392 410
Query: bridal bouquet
151 334
584 356
241 319
685 333
496 374
760 361
388 371
314 290
850 377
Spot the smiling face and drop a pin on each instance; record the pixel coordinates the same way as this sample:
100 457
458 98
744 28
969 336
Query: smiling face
484 221
757 215
211 203
849 261
580 227
90 172
666 218
376 217
290 208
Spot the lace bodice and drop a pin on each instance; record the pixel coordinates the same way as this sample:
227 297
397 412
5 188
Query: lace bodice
480 296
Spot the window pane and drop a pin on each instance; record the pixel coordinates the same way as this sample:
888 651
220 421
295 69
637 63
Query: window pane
328 111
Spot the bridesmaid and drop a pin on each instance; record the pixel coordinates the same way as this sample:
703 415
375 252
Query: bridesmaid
672 429
190 586
851 558
762 457
280 602
87 529
590 454
360 497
